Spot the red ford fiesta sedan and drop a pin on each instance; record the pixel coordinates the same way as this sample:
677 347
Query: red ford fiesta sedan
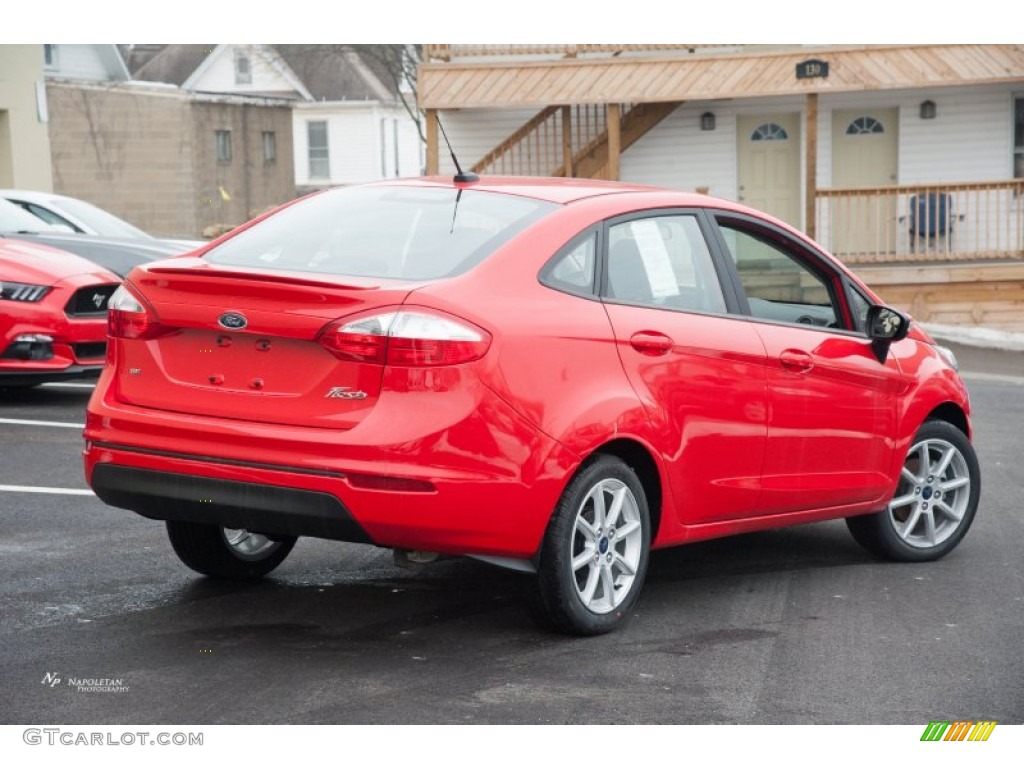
551 375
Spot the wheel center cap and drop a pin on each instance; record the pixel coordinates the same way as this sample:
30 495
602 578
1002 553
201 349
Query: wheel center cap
602 545
926 493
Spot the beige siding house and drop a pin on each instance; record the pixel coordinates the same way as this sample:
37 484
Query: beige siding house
24 138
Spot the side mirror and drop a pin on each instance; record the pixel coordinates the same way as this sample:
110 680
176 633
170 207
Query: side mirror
886 325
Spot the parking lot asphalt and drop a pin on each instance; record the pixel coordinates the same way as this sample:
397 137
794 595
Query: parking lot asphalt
790 626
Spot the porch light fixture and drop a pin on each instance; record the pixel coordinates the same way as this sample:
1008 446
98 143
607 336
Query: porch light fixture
707 121
928 110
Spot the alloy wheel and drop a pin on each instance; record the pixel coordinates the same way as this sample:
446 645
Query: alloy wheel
606 546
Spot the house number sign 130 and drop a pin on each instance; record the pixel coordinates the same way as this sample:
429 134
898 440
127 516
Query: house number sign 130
811 68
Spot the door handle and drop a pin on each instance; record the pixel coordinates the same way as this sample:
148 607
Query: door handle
651 343
796 360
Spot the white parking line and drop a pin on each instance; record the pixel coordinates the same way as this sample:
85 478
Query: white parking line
999 377
69 384
30 423
39 489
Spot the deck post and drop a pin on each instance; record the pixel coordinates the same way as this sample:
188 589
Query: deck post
433 166
811 185
612 115
567 141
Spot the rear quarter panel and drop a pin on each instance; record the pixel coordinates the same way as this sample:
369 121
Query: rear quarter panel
553 356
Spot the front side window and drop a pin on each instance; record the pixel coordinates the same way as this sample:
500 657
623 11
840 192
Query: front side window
406 233
223 139
319 158
779 284
861 305
662 261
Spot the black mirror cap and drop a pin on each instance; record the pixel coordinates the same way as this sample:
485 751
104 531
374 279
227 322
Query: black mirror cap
887 324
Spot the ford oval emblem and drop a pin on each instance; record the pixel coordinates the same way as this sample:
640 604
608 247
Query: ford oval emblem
234 321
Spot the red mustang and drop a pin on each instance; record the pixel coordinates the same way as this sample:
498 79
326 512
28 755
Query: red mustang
53 314
551 375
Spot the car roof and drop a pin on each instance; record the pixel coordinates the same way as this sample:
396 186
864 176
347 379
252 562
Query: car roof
31 195
554 190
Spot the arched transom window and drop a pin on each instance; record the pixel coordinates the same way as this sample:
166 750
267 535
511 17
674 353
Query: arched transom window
864 125
769 132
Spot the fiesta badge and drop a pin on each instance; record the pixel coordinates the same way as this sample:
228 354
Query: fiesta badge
233 321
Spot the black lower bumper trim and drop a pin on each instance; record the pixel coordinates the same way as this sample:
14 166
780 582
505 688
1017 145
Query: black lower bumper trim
267 509
23 378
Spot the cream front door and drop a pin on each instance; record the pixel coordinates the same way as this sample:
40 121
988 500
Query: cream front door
864 156
769 165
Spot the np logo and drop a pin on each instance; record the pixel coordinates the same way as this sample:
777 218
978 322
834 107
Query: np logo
234 321
51 679
345 393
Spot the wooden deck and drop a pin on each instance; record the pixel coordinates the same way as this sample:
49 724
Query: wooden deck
987 295
506 82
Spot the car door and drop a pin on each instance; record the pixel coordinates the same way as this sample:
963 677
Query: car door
832 403
699 371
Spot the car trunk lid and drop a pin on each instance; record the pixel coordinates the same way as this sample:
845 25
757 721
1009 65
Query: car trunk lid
243 344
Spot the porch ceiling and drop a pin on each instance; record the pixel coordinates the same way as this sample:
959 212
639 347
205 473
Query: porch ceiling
511 83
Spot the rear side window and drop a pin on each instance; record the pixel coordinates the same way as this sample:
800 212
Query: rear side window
662 261
408 233
574 268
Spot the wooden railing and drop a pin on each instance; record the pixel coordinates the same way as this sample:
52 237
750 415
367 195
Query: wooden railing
923 222
572 141
543 144
449 52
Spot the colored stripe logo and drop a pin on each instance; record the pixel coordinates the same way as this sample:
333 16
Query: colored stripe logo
959 730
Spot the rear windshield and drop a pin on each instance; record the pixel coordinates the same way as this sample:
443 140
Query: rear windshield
409 233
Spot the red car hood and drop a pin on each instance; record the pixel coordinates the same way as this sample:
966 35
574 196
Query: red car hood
24 262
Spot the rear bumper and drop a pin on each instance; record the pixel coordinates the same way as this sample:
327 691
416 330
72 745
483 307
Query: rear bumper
190 498
486 484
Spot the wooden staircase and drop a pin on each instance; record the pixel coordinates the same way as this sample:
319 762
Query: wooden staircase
574 140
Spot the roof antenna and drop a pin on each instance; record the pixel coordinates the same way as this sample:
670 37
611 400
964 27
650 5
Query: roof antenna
462 177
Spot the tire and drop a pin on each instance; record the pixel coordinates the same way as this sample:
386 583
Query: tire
602 524
225 553
935 500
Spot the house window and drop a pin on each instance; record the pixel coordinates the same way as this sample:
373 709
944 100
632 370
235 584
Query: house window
319 161
863 125
269 147
1018 138
243 74
223 146
769 132
50 57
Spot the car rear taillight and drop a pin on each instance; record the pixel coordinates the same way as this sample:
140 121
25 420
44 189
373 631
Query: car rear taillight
406 337
129 317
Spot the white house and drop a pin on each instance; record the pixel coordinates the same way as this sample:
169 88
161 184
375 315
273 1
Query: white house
349 124
891 156
95 63
354 128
